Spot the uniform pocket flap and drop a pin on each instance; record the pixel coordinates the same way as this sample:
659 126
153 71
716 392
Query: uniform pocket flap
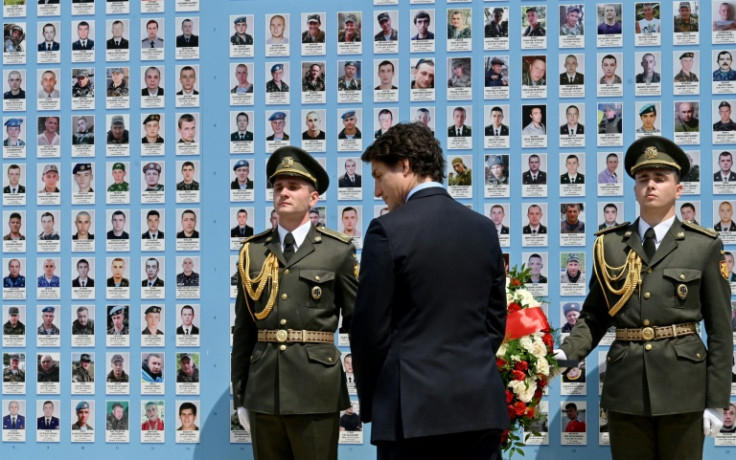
325 354
317 276
693 351
682 275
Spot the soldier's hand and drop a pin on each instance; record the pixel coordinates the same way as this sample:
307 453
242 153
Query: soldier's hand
559 356
712 422
243 418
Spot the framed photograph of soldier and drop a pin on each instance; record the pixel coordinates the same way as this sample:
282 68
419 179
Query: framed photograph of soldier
14 190
572 180
496 28
83 89
152 421
277 76
313 82
83 316
610 124
187 181
14 373
572 130
187 373
48 35
609 168
241 225
610 214
723 220
534 122
422 27
689 211
187 325
152 237
83 139
313 34
241 186
349 33
459 79
574 429
117 227
14 325
83 179
460 130
351 427
422 80
187 86
117 138
425 116
152 373
241 137
187 37
533 27
241 40
118 278
241 88
723 15
349 81
152 324
496 77
14 94
117 80
459 29
383 119
47 422
572 80
610 68
351 218
187 423
187 235
118 325
48 239
152 182
82 232
87 7
117 46
50 278
727 434
572 273
496 176
534 231
386 73
687 122
187 280
349 130
460 176
188 134
349 183
82 420
537 263
117 7
83 373
152 39
14 279
153 270
14 420
48 143
238 433
534 175
152 86
723 172
538 434
572 224
314 138
724 130
14 238
496 133
116 421
277 127
277 28
14 9
686 16
47 378
14 49
686 81
724 76
648 79
572 28
117 373
385 33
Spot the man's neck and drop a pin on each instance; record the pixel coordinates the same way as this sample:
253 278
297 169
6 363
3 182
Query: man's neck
610 22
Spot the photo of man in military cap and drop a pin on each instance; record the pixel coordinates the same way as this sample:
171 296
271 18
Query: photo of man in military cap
83 177
117 133
47 326
686 64
151 129
276 84
82 370
460 73
350 129
84 413
119 184
153 319
188 371
350 31
278 125
13 372
648 116
350 78
13 128
313 34
84 86
686 21
387 32
152 176
117 86
117 320
14 326
240 37
117 374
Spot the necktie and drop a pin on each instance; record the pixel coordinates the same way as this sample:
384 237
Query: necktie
48 47
13 426
83 283
242 136
186 332
117 43
534 232
47 423
649 247
84 43
152 44
289 246
150 284
153 236
497 133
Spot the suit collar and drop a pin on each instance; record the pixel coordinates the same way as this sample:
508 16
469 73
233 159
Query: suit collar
427 189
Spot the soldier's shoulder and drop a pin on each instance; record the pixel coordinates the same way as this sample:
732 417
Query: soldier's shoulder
615 228
334 234
709 232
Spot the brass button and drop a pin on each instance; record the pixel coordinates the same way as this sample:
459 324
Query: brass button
608 359
286 272
316 277
646 322
282 322
646 295
649 271
284 296
329 358
697 354
282 347
646 347
682 277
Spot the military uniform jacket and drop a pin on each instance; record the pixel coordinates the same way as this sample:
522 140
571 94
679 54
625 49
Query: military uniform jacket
682 283
76 426
182 377
526 178
236 39
81 375
305 378
354 85
683 77
320 38
271 87
42 331
721 126
123 377
9 376
51 376
19 329
115 424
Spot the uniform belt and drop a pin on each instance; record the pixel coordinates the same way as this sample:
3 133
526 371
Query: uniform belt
646 334
290 335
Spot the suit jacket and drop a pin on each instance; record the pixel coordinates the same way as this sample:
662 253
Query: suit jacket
53 423
194 331
685 281
409 381
54 46
144 91
564 129
565 179
718 177
90 282
181 42
527 229
526 178
20 422
236 136
21 189
77 45
124 44
579 79
147 236
158 283
465 132
344 181
321 281
235 231
123 283
504 130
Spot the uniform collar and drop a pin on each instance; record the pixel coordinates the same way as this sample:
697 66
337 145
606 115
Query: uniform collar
660 230
299 233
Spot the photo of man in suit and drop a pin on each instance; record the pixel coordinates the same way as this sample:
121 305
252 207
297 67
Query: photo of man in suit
241 230
497 215
497 128
153 220
242 133
534 215
725 162
14 421
610 214
83 41
187 322
458 128
47 421
350 178
14 185
117 41
187 38
534 175
725 222
390 335
152 279
572 176
49 42
572 127
83 279
571 76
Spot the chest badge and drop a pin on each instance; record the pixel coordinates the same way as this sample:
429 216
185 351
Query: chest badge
316 293
682 291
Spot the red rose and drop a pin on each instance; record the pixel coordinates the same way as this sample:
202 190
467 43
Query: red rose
512 413
530 412
509 397
519 408
500 363
538 395
541 383
548 340
514 307
517 375
521 366
515 282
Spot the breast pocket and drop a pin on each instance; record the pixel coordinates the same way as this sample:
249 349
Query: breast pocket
684 285
320 286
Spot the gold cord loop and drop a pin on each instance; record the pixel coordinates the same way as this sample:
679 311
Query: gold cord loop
269 275
607 274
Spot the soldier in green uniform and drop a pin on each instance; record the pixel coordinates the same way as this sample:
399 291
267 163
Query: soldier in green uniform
14 326
117 317
13 373
116 419
725 123
117 374
48 370
152 174
350 31
462 175
654 280
459 78
313 80
188 182
240 37
83 325
81 371
313 34
48 327
153 317
188 371
118 175
82 410
275 84
117 87
686 21
286 369
349 81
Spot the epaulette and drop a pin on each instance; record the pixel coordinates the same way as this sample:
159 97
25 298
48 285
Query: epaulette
610 229
697 228
336 235
258 235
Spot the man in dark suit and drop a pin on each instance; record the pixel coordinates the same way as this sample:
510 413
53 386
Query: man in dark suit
187 39
427 400
13 180
242 133
83 280
534 227
47 421
572 176
572 126
497 215
497 128
187 317
458 128
571 76
153 220
534 175
117 41
84 43
350 178
725 162
14 421
48 43
241 230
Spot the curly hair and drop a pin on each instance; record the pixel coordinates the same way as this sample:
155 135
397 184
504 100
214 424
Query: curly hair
412 141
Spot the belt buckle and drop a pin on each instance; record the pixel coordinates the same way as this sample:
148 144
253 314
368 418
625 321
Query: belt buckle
647 334
281 335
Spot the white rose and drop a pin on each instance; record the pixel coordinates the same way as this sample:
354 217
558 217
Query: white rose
542 367
509 298
518 387
528 299
538 349
528 394
526 343
515 358
501 351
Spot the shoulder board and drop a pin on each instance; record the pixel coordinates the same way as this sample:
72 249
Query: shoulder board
610 229
257 235
336 235
697 228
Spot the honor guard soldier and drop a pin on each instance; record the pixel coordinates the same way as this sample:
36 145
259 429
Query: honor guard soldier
14 326
275 84
294 283
81 372
13 373
240 37
118 173
654 280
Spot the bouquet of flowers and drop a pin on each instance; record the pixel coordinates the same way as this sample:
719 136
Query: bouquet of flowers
525 359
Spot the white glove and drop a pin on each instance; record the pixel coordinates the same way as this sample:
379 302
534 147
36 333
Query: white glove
243 418
712 422
559 355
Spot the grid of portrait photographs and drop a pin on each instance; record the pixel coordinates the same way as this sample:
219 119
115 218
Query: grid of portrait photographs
87 168
487 77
